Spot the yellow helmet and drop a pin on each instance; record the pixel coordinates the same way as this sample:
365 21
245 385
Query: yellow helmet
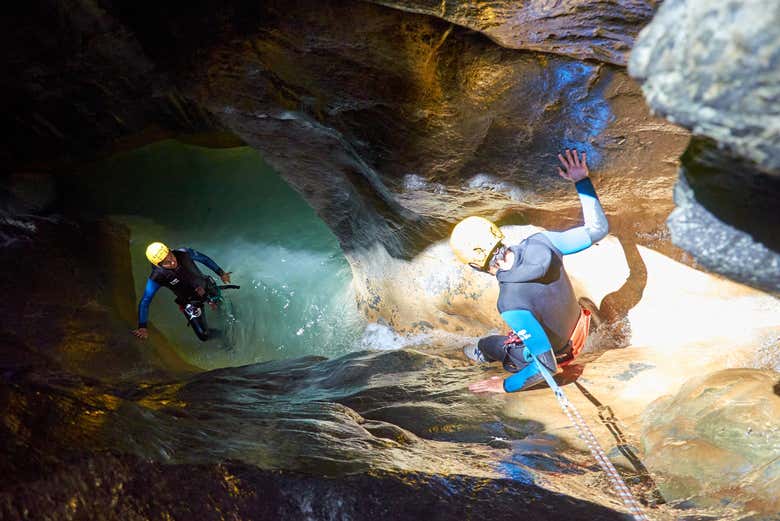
156 252
474 240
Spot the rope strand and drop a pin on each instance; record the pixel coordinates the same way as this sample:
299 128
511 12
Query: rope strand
618 485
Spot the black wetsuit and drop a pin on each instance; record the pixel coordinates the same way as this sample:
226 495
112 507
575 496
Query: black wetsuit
537 282
183 282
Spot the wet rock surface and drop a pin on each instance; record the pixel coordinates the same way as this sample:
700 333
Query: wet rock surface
717 440
125 487
392 129
602 31
402 414
713 68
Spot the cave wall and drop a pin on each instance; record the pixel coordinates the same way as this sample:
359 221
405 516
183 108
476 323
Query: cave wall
69 299
392 129
77 79
713 68
441 104
450 118
423 102
394 122
601 31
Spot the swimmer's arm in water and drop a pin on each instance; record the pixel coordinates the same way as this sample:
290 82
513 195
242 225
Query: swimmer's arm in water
596 226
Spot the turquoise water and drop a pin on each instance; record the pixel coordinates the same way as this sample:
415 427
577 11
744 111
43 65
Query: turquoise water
296 296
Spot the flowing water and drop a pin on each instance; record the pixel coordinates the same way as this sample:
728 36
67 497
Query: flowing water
296 296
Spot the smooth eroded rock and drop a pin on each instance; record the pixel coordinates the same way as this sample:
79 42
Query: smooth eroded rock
601 31
717 439
714 67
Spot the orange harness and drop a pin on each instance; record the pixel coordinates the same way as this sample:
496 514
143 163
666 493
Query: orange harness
578 337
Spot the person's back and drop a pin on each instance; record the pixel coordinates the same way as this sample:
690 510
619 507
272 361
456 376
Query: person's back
537 281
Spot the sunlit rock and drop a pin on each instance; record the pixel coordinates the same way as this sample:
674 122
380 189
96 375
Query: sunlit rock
451 125
718 440
587 30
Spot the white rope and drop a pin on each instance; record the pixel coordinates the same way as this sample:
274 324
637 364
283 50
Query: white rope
618 485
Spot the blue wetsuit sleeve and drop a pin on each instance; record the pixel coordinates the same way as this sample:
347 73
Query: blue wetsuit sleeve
143 306
525 325
570 241
595 228
206 261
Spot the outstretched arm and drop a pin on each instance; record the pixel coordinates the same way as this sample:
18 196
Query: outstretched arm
596 226
209 262
143 308
525 325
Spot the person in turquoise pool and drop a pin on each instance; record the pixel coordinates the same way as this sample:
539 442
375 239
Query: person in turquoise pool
177 271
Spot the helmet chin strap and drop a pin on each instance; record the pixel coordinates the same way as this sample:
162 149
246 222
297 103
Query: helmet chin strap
476 267
499 254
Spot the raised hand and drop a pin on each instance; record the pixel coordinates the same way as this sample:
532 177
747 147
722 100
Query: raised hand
575 167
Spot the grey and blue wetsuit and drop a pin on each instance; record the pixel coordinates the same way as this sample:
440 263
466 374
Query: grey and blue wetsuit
536 298
183 280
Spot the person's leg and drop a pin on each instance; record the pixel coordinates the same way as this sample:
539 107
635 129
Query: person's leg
200 327
595 316
492 347
196 319
488 349
527 374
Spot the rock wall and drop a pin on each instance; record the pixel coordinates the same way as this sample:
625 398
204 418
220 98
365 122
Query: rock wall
393 128
717 439
69 295
76 79
602 31
713 68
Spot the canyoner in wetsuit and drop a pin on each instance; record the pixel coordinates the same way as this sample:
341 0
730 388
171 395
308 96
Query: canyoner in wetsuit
176 270
536 298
